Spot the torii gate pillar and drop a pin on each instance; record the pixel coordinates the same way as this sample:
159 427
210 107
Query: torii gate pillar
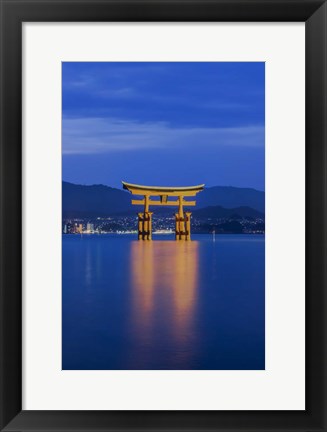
145 226
182 222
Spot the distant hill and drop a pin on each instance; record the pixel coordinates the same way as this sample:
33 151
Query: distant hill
231 197
101 200
95 200
221 212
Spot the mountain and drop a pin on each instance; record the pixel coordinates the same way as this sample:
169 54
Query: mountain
230 197
95 200
99 200
221 212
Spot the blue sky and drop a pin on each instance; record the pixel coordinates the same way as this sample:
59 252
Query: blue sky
164 123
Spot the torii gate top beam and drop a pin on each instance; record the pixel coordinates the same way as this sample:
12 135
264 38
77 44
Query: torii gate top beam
163 190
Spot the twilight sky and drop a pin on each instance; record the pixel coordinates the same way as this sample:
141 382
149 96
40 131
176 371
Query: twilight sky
176 124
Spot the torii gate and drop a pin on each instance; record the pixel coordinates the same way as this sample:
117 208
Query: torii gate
183 220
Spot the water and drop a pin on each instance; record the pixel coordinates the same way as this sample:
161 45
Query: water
163 304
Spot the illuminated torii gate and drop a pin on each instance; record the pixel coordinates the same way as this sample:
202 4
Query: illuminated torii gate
183 220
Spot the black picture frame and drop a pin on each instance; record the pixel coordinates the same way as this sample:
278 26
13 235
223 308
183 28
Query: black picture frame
13 14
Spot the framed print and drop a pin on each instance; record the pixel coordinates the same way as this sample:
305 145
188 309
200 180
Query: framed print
163 215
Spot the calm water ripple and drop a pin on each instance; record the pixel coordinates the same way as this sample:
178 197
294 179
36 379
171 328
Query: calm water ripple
131 304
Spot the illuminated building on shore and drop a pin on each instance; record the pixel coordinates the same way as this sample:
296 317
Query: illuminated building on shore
90 227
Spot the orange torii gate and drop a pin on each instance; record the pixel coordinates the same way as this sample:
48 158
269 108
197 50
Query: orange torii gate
183 220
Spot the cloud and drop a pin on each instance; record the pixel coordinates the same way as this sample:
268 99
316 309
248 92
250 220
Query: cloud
121 93
80 82
105 135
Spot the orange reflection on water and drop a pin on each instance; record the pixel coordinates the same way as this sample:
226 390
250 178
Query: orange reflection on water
142 275
184 283
164 282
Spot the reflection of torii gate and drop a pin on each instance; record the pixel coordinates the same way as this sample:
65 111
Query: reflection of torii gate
183 220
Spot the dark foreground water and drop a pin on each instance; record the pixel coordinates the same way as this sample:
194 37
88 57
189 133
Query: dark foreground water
162 304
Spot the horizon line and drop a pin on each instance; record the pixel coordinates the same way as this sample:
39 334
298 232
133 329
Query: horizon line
114 187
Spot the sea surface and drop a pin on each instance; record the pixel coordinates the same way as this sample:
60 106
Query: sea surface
163 304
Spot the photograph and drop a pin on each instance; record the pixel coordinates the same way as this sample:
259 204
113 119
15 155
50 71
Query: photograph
163 215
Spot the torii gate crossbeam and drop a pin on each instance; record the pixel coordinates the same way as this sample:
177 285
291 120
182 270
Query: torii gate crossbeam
183 220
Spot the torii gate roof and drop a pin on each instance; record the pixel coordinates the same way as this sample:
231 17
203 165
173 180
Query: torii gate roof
167 190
